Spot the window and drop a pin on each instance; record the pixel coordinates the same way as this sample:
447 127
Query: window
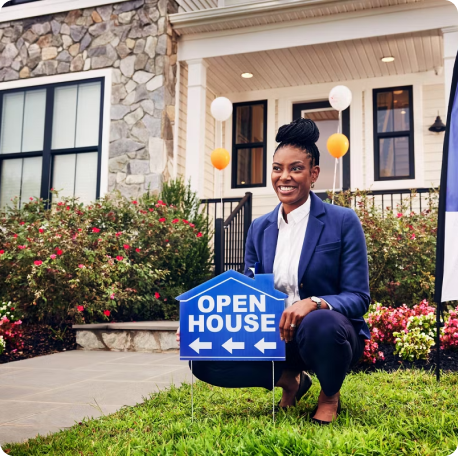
50 137
249 144
393 134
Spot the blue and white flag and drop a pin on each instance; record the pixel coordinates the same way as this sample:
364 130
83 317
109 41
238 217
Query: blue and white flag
447 231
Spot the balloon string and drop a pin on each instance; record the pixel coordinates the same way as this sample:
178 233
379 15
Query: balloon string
222 171
339 128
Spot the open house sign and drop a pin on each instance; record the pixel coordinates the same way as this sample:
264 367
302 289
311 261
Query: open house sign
234 318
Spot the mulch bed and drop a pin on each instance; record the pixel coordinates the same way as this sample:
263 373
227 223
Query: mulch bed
448 362
40 340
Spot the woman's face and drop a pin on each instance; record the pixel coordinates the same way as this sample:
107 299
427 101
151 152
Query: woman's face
292 176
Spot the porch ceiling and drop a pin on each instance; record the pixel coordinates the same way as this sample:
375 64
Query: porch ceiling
329 62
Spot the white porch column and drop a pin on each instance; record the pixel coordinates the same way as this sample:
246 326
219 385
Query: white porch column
450 52
195 128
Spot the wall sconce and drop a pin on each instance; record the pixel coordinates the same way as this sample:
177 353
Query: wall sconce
438 126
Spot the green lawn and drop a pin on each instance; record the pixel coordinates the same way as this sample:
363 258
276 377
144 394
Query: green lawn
383 414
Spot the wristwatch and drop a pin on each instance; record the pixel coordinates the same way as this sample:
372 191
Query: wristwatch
317 301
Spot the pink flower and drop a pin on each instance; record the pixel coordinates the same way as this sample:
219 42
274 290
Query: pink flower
31 199
157 295
95 230
151 209
118 234
399 215
126 247
413 236
160 202
199 234
21 247
53 257
185 221
106 312
38 263
81 266
80 308
192 225
15 236
134 202
21 223
119 258
60 203
162 219
41 230
112 296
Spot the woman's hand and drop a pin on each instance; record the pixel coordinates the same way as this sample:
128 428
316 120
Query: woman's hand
294 315
178 336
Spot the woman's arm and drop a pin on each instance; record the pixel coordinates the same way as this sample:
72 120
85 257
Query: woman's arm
354 298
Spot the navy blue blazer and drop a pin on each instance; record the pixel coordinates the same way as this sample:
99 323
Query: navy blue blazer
333 263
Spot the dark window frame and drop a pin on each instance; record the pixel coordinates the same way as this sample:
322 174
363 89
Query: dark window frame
47 152
395 134
19 2
236 147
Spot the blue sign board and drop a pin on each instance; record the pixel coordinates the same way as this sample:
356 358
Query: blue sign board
232 317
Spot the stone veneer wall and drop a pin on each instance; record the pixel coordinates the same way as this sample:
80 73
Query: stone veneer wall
135 39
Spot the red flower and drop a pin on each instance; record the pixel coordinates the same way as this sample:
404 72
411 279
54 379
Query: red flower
185 221
21 223
118 234
192 225
38 262
160 202
53 257
166 240
60 203
413 236
175 220
80 229
137 250
2 252
106 312
399 215
21 247
162 219
151 209
31 199
15 236
80 308
119 258
157 295
68 208
199 234
41 230
134 202
95 230
59 252
126 247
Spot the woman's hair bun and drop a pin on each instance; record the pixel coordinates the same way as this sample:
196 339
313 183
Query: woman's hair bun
300 131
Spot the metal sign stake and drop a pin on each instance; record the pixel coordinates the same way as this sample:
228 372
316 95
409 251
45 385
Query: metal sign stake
192 395
273 391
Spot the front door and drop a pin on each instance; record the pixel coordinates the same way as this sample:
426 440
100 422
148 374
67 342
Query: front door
327 121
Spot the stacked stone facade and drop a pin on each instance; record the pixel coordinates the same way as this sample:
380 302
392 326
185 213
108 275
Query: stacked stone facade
135 40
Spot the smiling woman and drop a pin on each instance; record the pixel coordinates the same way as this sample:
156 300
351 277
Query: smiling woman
317 254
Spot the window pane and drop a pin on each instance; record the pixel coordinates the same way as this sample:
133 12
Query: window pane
393 111
394 157
63 175
20 178
76 175
12 116
250 166
88 117
250 124
64 120
86 177
31 178
34 121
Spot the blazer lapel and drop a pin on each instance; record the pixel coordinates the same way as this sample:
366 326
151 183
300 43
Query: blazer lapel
312 234
269 244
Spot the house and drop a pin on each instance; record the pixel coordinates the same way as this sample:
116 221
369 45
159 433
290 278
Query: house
103 95
232 317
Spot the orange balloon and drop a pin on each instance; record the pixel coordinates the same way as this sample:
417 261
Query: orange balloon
338 145
220 158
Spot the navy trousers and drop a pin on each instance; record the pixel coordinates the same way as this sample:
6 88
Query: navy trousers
325 342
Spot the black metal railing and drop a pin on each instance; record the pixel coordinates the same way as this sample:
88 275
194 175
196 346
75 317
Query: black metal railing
230 233
19 2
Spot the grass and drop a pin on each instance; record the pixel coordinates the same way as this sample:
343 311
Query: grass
405 412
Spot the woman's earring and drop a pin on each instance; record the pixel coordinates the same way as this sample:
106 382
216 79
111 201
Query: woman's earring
313 185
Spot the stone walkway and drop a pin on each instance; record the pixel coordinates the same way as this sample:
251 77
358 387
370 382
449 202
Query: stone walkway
48 393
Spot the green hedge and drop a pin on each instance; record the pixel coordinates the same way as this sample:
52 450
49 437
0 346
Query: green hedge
111 260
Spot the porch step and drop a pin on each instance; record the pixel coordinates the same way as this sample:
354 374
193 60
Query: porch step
143 336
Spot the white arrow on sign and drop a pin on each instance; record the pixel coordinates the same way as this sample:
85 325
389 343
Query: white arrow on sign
262 345
229 345
198 345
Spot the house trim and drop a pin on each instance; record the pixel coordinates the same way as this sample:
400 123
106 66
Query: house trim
106 74
44 7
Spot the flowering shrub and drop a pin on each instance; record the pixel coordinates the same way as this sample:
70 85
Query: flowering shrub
113 259
10 334
411 330
401 248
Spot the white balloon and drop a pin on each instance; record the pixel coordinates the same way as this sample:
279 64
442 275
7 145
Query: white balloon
340 98
221 109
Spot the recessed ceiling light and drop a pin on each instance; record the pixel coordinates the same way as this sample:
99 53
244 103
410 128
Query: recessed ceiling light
243 182
247 75
387 59
398 92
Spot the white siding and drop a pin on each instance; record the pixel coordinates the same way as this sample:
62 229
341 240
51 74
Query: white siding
182 113
433 103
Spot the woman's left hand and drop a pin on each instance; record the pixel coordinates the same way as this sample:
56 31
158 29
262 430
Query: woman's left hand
294 315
